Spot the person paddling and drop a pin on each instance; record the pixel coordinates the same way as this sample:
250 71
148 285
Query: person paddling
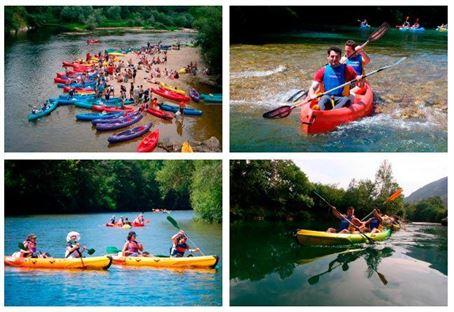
357 58
374 224
139 219
344 225
73 247
330 76
31 248
180 245
133 248
364 23
406 23
416 25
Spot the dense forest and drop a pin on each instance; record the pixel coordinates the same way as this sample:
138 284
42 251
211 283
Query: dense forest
247 22
279 190
88 186
206 20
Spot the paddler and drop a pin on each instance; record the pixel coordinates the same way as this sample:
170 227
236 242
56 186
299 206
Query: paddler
344 225
31 248
73 247
416 24
139 219
180 246
111 221
357 58
374 224
406 23
330 76
132 248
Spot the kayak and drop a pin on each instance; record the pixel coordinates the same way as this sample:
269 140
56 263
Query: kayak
129 134
124 227
171 95
318 121
161 114
51 106
79 90
442 29
120 124
149 143
186 147
79 103
94 263
309 238
175 108
168 262
412 29
91 41
110 109
117 54
194 95
116 119
364 26
211 98
172 88
92 116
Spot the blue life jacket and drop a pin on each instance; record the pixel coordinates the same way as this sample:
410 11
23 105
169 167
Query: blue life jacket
357 63
343 225
374 223
334 77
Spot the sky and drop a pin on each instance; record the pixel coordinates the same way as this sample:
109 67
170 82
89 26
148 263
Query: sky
411 171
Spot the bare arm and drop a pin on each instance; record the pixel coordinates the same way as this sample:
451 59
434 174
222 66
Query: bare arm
313 89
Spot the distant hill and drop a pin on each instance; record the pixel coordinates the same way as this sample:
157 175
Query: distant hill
436 188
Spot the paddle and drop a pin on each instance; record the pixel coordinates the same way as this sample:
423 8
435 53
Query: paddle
297 95
392 197
115 250
175 224
285 110
370 240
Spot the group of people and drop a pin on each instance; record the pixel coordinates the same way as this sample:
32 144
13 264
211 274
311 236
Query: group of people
407 23
121 221
349 223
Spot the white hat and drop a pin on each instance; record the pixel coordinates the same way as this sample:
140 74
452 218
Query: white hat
71 234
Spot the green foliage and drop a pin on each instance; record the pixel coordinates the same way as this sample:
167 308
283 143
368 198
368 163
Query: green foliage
429 210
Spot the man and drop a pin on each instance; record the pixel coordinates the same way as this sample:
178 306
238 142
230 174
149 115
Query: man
330 76
346 221
357 58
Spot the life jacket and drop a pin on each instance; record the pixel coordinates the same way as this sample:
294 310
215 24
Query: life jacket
343 225
133 247
179 249
374 223
74 253
357 63
334 77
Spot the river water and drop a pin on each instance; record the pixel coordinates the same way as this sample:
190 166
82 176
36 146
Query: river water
411 99
270 268
31 61
119 286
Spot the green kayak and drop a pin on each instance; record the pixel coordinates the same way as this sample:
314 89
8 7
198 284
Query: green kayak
311 238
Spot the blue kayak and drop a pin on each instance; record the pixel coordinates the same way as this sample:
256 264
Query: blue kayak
176 108
116 119
51 106
129 134
117 125
211 98
92 116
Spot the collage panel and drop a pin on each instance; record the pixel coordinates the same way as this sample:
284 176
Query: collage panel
367 79
321 232
113 233
113 79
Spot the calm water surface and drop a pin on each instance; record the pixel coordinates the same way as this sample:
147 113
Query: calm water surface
271 268
118 286
411 98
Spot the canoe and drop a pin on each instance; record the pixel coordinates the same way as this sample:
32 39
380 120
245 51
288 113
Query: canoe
175 108
171 95
92 116
161 113
310 238
211 98
41 113
318 121
118 125
149 143
116 119
194 95
172 88
129 134
94 263
186 148
167 262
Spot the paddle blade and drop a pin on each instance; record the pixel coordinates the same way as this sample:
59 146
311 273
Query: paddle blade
394 195
280 112
313 280
382 278
379 32
21 246
112 250
174 223
91 251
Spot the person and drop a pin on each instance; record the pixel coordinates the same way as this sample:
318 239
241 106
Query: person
132 248
364 23
139 219
111 221
374 224
357 58
180 245
154 103
120 221
406 23
416 24
73 247
330 76
31 248
344 225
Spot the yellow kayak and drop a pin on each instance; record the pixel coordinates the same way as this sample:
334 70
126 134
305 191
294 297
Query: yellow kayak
94 263
182 70
117 54
186 148
172 88
170 262
309 237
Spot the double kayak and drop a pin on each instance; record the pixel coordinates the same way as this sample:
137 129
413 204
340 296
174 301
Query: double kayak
94 263
119 124
319 238
171 95
167 262
129 134
161 114
149 143
124 226
176 108
51 106
320 121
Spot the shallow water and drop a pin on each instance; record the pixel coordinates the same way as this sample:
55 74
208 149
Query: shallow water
410 268
31 62
119 286
411 99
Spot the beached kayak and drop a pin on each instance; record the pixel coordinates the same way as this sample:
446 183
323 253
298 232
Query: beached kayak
170 262
51 105
129 134
94 263
171 95
211 98
186 148
161 114
110 109
310 238
116 119
172 88
92 116
149 143
318 121
194 95
120 124
175 108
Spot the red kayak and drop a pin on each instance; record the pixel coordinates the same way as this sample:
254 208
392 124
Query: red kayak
320 121
161 113
110 109
149 142
171 95
61 80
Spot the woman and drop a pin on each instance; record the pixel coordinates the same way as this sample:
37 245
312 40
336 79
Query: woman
31 250
180 246
73 247
132 248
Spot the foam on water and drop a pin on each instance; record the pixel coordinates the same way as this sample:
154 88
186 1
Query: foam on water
257 73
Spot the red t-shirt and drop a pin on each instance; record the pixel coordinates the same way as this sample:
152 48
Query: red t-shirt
350 74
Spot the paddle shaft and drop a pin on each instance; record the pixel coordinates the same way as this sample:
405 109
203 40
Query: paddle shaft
389 199
175 224
383 28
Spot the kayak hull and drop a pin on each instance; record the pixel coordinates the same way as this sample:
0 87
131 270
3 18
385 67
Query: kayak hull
171 95
319 238
171 262
118 125
161 114
51 107
129 134
94 263
149 143
186 111
318 121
